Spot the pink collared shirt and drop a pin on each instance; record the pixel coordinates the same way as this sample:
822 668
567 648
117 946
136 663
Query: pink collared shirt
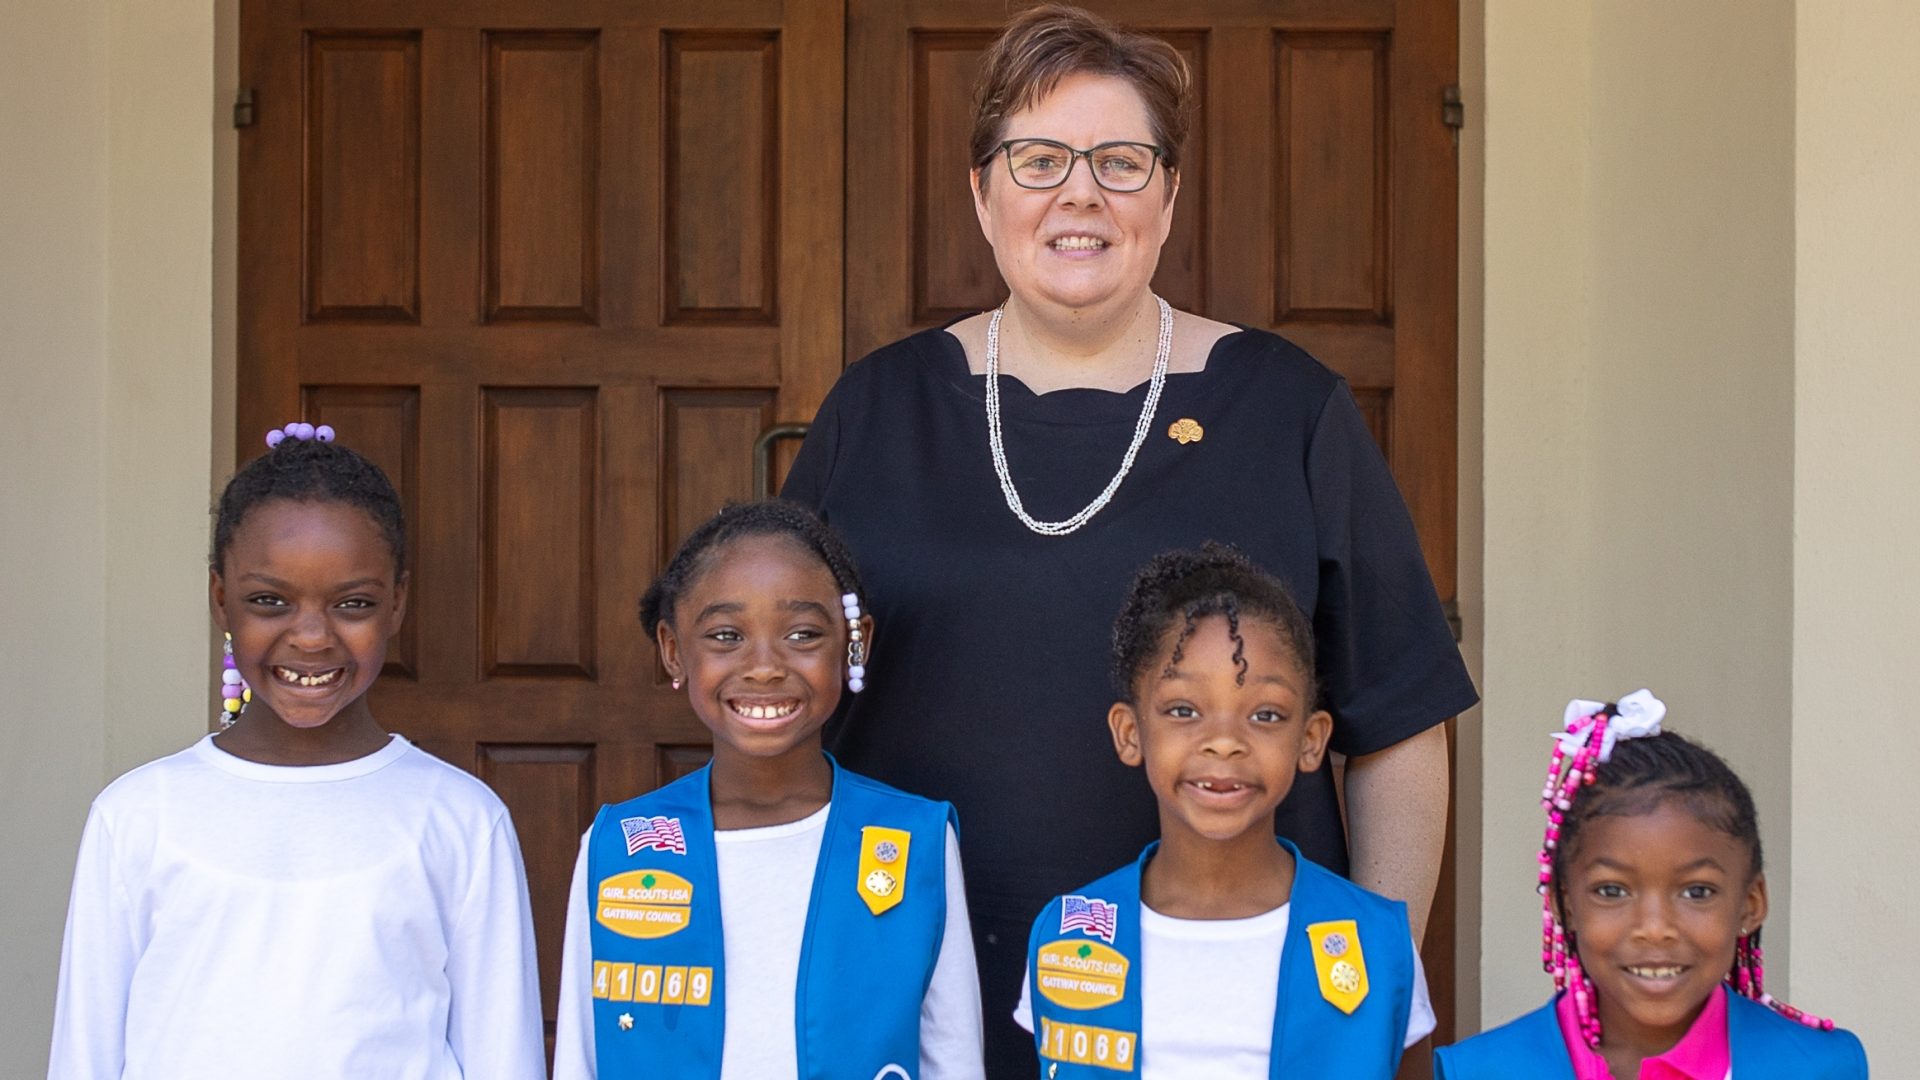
1703 1053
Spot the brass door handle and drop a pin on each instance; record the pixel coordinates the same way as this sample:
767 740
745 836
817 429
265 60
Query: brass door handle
763 454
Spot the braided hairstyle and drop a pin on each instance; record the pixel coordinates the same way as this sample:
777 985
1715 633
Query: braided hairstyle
1640 776
1179 588
767 517
310 470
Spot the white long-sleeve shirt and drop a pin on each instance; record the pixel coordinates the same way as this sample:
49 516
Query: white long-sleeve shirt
766 884
234 919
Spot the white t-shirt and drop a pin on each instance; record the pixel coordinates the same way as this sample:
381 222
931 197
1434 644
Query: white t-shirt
766 885
234 919
1207 994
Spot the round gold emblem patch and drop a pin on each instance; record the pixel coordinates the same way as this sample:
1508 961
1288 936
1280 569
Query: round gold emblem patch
1344 977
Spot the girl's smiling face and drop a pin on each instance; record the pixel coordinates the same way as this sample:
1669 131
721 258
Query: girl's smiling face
1656 902
1221 751
761 640
311 595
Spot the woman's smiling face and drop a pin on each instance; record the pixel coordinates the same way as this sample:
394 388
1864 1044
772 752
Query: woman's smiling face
1078 245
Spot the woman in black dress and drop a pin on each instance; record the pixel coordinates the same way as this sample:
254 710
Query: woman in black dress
1001 478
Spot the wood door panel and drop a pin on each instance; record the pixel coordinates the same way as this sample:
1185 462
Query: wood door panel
541 160
363 182
537 551
1332 259
720 122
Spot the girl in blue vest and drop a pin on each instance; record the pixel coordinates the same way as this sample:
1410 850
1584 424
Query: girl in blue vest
771 915
1654 897
1221 952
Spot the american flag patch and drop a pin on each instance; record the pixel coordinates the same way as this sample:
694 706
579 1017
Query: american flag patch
653 833
1095 917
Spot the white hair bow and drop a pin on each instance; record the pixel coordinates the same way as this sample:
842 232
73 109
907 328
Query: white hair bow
1636 716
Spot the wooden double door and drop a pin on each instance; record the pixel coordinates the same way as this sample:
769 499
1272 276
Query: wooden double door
556 266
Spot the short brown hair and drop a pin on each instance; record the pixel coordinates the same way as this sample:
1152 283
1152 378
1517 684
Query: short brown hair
1045 44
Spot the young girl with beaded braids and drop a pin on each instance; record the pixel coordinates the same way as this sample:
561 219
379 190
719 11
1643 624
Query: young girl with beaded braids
1653 896
301 895
770 916
1222 952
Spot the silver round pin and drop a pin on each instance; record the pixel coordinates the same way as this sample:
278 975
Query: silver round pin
886 851
1334 945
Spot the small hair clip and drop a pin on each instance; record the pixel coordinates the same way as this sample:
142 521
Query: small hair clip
298 430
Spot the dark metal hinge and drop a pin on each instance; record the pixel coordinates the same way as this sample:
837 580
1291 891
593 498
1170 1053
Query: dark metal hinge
243 107
1453 112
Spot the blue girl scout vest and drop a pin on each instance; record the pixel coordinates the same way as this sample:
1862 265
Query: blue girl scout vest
873 931
1765 1045
1346 979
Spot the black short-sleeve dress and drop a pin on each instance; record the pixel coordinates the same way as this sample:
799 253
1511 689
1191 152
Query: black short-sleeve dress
988 685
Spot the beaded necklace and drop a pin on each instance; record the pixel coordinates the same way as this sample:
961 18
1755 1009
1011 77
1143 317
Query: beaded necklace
1140 428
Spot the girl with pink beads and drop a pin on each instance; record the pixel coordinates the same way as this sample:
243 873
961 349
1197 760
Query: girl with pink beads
1653 896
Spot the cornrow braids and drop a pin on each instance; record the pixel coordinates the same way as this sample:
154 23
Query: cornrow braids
310 470
1175 590
766 517
1641 775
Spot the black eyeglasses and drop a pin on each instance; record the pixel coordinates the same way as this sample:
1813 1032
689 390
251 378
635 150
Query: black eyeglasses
1044 163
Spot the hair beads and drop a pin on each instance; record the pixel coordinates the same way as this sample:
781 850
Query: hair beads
856 648
235 695
1564 780
301 431
1648 762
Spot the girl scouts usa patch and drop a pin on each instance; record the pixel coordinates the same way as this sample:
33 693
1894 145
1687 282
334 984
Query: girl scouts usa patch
1078 974
644 903
1338 961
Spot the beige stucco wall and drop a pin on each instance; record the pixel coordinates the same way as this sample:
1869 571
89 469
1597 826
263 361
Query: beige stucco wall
1537 340
53 351
1856 815
161 115
1637 396
105 328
